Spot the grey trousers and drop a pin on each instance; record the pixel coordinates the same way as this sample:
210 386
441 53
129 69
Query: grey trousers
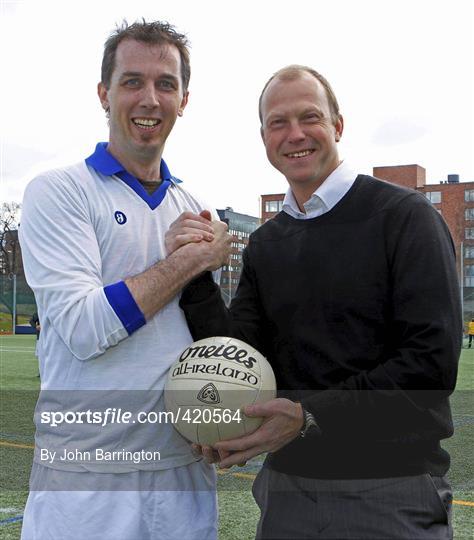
404 508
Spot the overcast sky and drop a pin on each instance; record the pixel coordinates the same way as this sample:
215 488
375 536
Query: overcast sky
402 72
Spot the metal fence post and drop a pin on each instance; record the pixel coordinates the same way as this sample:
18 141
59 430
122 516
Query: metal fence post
14 304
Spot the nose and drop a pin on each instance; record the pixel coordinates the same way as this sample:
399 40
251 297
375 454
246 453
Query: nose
149 97
295 134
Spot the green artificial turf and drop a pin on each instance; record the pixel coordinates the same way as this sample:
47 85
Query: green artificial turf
238 513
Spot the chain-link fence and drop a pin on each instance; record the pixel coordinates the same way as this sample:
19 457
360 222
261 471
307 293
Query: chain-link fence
17 303
17 298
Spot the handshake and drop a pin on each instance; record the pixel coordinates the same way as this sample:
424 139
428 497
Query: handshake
200 238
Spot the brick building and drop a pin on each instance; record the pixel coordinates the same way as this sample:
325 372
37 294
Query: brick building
271 205
452 198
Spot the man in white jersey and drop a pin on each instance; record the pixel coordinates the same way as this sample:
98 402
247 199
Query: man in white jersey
107 288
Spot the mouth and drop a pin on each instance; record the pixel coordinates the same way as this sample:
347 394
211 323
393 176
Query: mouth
146 124
300 154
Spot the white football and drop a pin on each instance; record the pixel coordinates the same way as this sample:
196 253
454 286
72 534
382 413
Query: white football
210 382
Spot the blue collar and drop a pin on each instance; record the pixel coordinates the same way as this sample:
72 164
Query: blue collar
105 163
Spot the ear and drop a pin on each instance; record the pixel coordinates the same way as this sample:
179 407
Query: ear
103 96
183 104
339 127
262 134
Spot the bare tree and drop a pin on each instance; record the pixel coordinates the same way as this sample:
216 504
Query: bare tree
9 215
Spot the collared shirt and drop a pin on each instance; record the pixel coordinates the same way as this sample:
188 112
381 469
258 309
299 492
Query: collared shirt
99 226
104 162
329 193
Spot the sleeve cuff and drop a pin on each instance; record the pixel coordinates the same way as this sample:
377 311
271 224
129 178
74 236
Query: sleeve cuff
329 408
125 307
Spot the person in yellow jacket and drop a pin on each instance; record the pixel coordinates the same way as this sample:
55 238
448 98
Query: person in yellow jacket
470 332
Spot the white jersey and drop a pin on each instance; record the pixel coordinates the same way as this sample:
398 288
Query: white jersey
82 234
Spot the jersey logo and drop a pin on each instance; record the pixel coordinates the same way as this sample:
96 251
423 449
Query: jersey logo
120 218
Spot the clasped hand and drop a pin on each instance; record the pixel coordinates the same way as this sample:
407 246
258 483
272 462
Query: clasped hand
207 239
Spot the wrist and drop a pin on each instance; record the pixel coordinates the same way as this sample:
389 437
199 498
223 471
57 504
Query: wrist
301 418
192 259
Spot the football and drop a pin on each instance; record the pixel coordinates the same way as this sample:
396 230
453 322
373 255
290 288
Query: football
209 384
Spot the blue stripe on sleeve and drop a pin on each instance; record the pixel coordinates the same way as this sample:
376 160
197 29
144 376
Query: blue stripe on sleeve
124 305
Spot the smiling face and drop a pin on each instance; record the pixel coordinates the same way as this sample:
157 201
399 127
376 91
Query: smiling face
299 134
144 98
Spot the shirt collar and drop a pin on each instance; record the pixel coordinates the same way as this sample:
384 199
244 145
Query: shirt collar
329 193
336 185
105 163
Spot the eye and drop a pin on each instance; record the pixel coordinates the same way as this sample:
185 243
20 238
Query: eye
166 84
277 123
132 83
311 117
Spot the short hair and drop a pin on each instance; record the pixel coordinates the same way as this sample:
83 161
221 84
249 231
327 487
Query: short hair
293 72
154 33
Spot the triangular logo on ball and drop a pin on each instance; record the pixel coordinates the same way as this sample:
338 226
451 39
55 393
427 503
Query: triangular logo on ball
209 394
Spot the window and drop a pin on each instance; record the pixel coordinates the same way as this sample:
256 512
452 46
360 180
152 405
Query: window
238 245
469 275
433 196
469 195
469 252
273 206
229 281
469 233
239 234
469 213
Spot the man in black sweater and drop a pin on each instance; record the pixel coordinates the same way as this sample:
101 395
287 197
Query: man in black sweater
351 293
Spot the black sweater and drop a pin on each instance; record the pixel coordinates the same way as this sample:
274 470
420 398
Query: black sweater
358 313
